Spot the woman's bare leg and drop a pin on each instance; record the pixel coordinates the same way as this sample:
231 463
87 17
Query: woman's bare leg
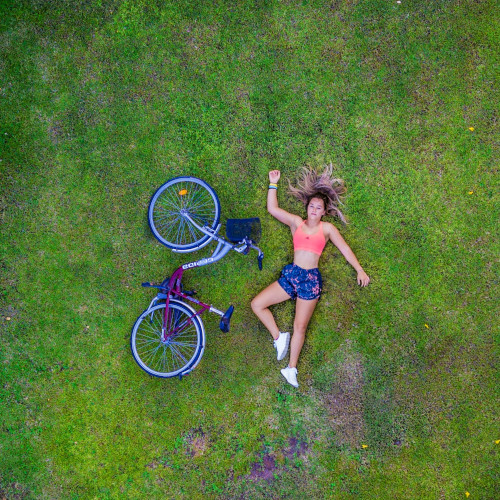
273 294
303 312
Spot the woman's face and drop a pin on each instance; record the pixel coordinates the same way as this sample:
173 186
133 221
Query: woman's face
316 209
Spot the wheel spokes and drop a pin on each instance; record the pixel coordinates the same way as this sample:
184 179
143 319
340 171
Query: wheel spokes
191 197
172 354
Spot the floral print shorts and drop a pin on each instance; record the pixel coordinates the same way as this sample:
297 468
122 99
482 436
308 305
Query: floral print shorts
302 283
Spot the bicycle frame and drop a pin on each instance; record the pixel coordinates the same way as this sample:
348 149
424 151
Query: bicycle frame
174 287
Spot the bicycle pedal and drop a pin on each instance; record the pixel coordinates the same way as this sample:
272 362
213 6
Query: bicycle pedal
225 320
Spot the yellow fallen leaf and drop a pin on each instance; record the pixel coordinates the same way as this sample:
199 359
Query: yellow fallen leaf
471 192
426 325
497 441
467 494
364 446
471 129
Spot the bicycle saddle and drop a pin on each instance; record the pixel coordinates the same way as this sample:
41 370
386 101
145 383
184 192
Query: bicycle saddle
237 229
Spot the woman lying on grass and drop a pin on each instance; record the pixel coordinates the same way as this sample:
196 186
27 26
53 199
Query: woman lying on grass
302 279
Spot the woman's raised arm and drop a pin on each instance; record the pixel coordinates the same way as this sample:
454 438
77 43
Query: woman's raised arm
272 202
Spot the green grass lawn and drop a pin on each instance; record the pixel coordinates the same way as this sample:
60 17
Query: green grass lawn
103 101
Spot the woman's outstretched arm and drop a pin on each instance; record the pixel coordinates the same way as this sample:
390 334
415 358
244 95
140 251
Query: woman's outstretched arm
345 250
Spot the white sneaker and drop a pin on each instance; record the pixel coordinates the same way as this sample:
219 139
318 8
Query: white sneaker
291 375
281 344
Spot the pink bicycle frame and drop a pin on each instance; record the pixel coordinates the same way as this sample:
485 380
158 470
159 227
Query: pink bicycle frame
174 288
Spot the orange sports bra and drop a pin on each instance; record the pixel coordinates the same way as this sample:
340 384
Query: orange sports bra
309 242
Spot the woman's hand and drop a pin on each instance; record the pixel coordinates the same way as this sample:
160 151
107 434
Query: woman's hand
274 176
363 278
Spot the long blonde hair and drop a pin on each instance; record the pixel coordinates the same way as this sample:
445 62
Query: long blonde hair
324 186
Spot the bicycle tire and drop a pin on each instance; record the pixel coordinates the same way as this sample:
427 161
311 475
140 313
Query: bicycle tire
180 353
166 222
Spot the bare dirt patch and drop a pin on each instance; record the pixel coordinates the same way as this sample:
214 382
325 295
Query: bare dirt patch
56 131
271 464
196 442
8 312
345 398
295 448
265 469
14 491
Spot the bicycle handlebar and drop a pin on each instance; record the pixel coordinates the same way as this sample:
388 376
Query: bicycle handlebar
245 247
150 285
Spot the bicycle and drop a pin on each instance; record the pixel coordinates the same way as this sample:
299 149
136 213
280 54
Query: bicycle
168 338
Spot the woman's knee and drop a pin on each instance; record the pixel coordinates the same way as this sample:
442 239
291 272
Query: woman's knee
299 327
255 305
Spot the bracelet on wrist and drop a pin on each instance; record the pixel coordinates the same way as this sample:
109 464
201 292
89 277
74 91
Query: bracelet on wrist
273 187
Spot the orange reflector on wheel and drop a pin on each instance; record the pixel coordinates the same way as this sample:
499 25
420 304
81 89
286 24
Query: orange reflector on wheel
182 192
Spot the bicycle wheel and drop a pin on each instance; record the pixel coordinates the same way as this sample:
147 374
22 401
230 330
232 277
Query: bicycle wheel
168 224
178 354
